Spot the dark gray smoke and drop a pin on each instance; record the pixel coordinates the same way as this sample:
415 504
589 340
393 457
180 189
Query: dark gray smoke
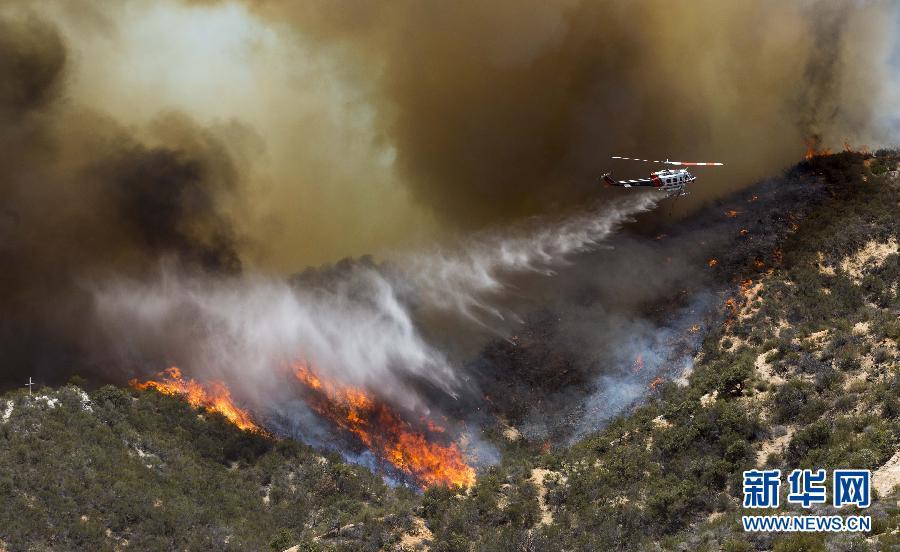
86 199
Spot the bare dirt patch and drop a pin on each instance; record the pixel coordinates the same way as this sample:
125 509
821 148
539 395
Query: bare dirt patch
538 475
511 433
774 445
764 369
872 255
416 538
822 265
661 423
885 478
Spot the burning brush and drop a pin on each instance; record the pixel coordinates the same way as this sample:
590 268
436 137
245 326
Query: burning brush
814 148
213 396
638 365
409 449
394 440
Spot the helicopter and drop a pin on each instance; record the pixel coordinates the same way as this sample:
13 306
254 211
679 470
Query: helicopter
672 182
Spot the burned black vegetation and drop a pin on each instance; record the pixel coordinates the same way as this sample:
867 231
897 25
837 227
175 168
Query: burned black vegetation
635 313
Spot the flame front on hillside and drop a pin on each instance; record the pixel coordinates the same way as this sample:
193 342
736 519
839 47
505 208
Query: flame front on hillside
213 396
813 149
373 422
385 433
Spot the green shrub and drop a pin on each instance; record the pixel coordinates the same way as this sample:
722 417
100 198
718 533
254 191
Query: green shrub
800 542
790 400
282 539
815 436
737 546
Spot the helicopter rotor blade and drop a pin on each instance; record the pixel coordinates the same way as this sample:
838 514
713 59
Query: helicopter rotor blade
695 164
667 162
635 159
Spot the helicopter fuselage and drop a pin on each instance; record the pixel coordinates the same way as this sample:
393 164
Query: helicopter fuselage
669 180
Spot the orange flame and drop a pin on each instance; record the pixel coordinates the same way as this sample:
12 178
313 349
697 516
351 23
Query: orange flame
745 285
731 213
864 149
813 143
638 364
811 152
731 305
712 262
214 396
759 263
383 431
732 309
812 148
656 382
744 231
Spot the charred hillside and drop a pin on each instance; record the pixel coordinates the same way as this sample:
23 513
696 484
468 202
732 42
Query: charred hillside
633 313
801 370
782 352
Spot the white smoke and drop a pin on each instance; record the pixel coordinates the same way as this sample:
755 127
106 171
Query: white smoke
249 331
463 280
666 349
358 328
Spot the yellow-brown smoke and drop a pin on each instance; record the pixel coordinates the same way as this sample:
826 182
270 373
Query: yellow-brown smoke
502 108
374 124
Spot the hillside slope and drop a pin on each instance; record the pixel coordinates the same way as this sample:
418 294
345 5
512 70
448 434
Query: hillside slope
804 372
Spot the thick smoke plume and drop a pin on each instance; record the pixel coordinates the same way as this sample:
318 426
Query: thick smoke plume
356 323
501 108
370 126
85 198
